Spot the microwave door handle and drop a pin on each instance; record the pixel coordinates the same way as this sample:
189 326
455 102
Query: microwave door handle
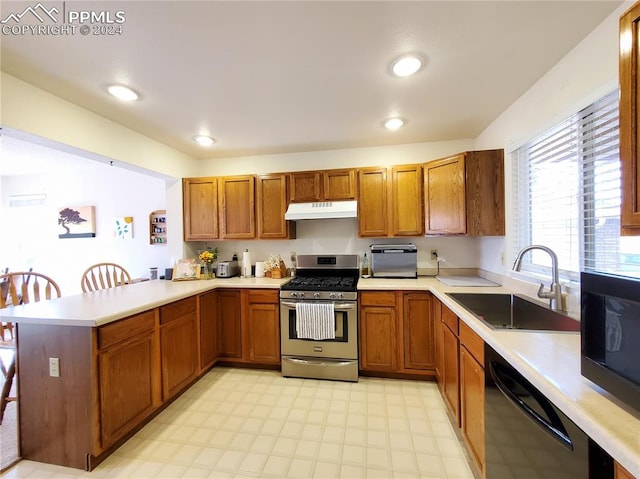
555 428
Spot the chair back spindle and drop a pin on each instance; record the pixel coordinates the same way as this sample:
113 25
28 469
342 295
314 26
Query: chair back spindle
104 276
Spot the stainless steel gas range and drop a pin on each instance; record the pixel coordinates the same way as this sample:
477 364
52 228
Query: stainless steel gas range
319 318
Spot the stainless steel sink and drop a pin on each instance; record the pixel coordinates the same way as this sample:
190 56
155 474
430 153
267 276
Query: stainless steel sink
509 311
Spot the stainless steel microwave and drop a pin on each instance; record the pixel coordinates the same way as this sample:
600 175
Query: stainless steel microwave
610 334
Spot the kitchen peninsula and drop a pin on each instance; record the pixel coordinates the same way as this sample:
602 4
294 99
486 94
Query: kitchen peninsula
123 354
74 419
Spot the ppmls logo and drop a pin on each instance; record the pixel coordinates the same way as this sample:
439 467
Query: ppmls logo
39 11
39 20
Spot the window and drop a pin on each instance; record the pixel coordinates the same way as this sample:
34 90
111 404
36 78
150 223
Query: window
567 192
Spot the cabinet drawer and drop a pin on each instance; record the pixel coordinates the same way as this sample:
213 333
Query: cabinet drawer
470 340
382 298
450 319
263 296
177 310
127 328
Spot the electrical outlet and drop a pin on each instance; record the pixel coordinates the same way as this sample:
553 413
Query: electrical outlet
434 255
54 367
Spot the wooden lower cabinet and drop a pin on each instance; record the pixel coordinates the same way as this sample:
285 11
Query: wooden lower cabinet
436 313
262 321
460 362
129 374
621 472
418 334
209 334
396 332
378 338
178 336
472 407
230 324
128 384
450 372
249 322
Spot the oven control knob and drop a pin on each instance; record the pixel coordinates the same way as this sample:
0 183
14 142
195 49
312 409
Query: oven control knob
316 295
332 295
293 294
340 295
300 295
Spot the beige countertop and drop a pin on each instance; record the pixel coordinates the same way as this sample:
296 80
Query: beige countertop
107 305
551 361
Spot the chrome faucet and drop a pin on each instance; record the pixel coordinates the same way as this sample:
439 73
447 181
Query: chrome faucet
554 295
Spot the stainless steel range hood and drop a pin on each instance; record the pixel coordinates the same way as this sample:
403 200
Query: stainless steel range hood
322 210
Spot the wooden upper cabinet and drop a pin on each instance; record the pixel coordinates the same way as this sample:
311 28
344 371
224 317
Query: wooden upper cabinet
372 202
305 187
271 205
236 197
445 207
339 185
406 201
200 208
323 185
390 201
629 124
464 194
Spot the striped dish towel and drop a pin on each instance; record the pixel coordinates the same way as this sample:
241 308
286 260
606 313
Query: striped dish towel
315 321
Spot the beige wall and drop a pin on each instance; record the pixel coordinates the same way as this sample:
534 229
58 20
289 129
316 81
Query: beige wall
327 159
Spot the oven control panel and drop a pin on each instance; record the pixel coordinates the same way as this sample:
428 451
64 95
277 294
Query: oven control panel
319 295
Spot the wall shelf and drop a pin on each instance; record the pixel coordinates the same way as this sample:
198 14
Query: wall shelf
158 227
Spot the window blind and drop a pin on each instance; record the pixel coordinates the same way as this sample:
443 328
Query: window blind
567 191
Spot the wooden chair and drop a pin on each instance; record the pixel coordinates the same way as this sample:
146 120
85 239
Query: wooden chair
103 276
22 288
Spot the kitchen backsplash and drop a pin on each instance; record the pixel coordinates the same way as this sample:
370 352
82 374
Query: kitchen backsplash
340 236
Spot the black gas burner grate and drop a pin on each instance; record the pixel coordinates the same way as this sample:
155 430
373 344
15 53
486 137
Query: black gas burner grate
322 283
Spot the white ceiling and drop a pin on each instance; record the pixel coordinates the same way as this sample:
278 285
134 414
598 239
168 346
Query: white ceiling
269 77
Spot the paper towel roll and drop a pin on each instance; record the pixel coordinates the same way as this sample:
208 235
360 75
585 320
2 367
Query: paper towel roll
246 264
259 269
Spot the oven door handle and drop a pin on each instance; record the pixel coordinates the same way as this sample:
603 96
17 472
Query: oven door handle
337 306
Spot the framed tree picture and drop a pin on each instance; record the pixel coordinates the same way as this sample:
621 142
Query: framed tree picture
77 222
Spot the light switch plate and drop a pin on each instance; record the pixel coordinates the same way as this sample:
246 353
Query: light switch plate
54 367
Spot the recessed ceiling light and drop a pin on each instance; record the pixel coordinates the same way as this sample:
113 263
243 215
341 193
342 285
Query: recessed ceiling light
393 123
123 93
204 140
406 65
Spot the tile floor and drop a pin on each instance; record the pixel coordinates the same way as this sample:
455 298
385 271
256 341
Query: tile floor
238 423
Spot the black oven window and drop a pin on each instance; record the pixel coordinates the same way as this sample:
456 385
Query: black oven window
342 328
621 326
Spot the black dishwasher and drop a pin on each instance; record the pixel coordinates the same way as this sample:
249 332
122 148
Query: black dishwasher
529 437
